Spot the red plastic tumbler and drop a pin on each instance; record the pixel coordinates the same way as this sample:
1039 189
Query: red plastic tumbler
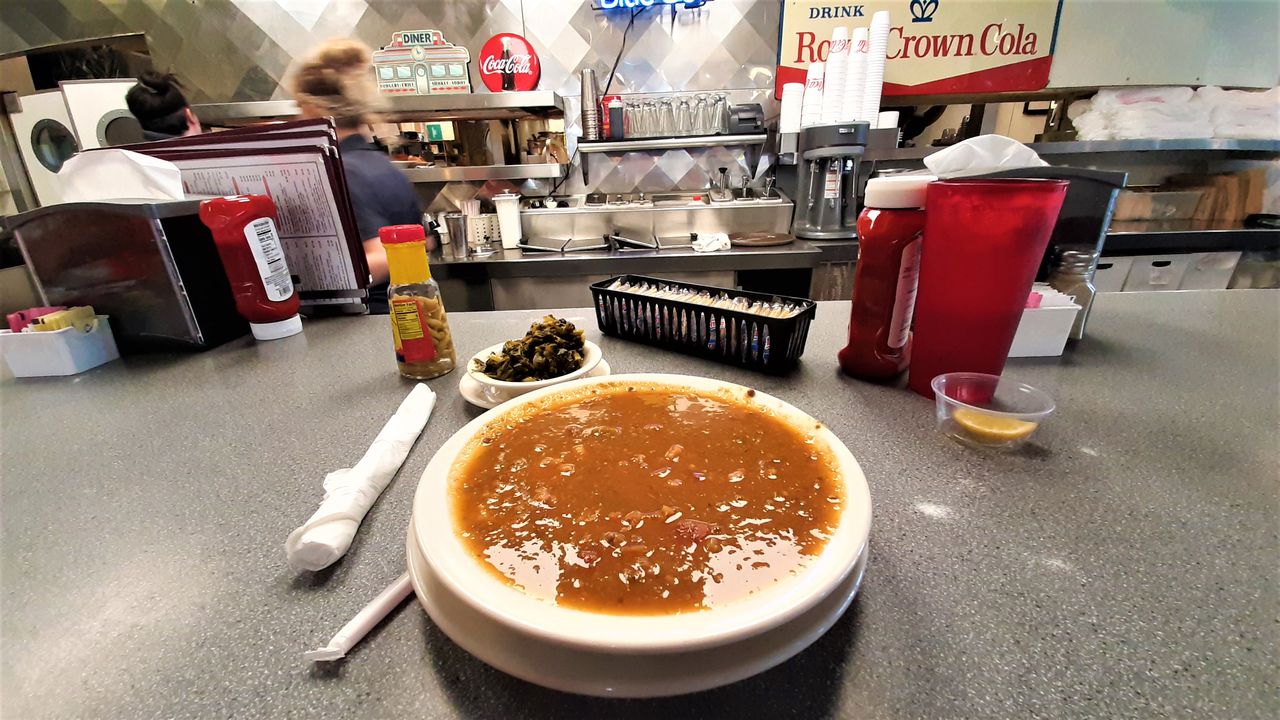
983 240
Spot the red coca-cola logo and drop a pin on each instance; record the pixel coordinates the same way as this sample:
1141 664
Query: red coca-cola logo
508 62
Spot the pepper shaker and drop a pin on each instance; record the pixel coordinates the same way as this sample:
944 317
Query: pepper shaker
1073 276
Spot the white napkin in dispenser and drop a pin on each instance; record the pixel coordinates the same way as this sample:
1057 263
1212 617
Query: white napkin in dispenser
981 155
117 175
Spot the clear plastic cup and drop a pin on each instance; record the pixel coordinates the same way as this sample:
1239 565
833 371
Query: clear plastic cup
988 411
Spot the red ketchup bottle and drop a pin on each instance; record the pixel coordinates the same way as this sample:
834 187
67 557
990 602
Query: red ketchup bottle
884 281
244 229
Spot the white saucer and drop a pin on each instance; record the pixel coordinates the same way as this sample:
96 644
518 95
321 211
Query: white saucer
621 675
473 391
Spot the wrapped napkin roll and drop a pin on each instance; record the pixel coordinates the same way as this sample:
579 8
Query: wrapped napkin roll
350 492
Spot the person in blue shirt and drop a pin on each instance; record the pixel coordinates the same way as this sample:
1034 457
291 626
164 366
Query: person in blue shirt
336 80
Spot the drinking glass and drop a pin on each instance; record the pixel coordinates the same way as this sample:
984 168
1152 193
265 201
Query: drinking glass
631 119
702 122
684 118
720 113
983 241
648 119
666 118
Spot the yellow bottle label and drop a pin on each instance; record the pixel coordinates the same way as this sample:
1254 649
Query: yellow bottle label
413 344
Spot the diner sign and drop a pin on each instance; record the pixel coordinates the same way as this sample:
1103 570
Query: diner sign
935 47
421 62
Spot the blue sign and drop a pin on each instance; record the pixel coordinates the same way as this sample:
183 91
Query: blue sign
634 4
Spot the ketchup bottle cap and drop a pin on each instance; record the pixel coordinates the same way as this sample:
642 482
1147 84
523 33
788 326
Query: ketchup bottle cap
392 234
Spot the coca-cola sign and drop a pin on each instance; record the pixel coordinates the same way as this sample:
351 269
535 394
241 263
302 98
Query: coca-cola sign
508 62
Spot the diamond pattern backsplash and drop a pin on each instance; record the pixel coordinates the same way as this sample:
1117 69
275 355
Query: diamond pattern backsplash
241 50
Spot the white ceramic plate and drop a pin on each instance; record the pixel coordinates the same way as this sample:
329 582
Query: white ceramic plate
496 392
622 674
475 393
455 567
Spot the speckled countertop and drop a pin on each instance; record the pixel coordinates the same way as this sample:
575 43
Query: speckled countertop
1125 565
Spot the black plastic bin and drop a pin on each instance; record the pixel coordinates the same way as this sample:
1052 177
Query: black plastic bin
758 342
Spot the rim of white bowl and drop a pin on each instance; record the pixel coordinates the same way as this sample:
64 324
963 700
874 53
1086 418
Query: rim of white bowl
590 359
938 384
506 604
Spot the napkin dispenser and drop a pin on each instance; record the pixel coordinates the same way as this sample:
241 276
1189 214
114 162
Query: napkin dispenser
1086 210
149 264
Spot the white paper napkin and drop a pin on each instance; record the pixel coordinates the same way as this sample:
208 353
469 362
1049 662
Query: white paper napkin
117 174
350 492
712 242
980 155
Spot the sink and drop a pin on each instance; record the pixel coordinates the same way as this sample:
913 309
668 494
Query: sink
677 198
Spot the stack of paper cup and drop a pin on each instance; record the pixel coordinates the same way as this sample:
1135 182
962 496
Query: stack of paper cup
837 68
792 101
811 106
855 77
878 44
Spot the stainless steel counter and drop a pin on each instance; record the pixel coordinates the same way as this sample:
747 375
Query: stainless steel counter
516 263
513 279
1123 565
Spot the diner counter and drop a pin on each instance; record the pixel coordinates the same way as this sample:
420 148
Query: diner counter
1124 564
514 279
517 263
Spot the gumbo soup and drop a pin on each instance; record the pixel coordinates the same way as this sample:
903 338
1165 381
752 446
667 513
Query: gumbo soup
630 499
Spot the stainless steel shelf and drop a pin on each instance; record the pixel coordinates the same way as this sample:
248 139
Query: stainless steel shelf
1089 147
241 113
474 106
1148 236
405 108
1078 147
675 143
467 173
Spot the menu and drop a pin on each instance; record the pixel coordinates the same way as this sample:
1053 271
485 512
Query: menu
298 165
308 222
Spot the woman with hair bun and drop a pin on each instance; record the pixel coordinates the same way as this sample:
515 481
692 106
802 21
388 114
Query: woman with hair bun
336 80
160 107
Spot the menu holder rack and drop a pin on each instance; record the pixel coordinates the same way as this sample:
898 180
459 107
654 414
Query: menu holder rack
750 340
298 165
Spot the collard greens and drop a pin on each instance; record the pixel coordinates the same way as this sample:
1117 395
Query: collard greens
552 347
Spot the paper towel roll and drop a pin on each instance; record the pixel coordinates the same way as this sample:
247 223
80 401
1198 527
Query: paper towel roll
878 43
811 105
792 102
855 76
837 68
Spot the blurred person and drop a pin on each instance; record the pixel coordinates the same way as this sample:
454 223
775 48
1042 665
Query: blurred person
161 108
336 80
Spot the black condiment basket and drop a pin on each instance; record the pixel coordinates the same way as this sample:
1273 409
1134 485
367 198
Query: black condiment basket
748 340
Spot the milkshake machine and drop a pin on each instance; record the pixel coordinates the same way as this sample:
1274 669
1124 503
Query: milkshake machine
826 180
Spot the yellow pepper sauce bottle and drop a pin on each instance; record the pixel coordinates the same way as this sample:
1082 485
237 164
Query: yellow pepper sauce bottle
424 345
